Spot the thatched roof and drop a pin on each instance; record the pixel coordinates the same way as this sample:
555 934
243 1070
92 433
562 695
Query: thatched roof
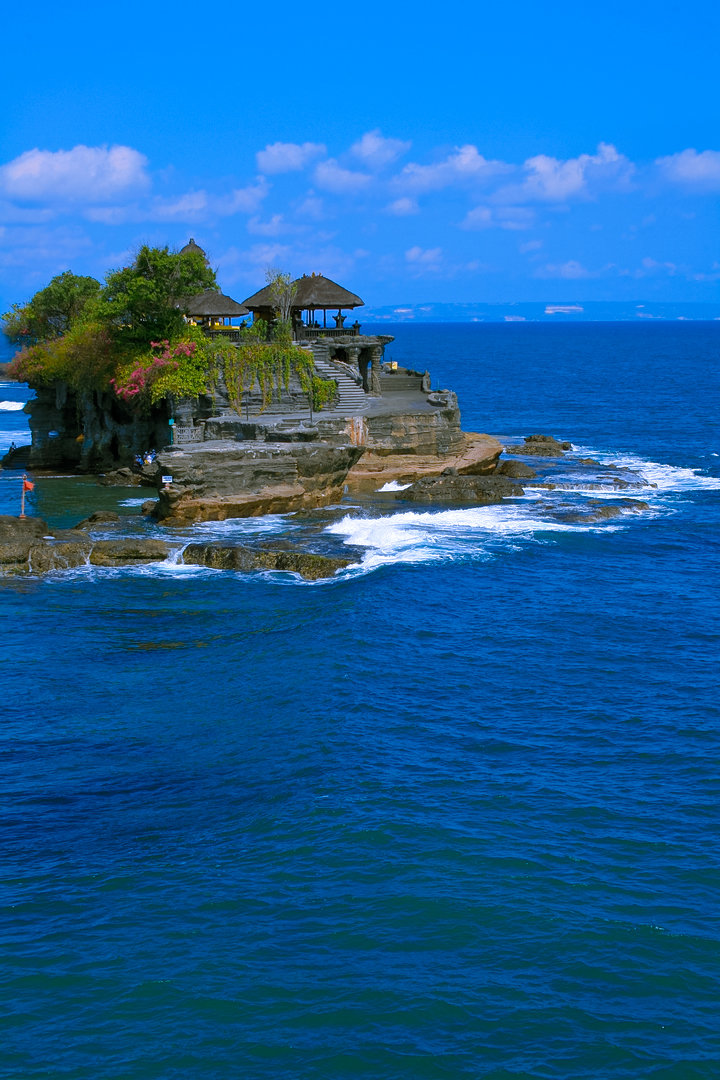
191 248
214 303
312 291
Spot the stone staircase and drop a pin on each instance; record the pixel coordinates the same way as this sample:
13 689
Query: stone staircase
352 398
400 383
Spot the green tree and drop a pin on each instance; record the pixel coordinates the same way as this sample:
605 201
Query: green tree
147 300
282 292
53 311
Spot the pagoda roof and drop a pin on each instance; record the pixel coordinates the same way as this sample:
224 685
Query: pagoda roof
211 302
312 291
191 248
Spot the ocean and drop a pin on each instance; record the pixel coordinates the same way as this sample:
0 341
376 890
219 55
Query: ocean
452 815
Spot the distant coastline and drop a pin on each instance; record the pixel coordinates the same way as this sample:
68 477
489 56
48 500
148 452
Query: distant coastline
542 311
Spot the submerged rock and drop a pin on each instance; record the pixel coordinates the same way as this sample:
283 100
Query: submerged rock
17 528
541 446
99 517
517 469
220 556
123 477
596 510
469 490
27 547
128 551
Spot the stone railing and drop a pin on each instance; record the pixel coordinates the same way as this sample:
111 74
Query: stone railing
185 433
308 333
300 333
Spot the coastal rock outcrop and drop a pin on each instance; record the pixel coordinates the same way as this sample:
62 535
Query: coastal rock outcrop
517 469
128 551
223 479
220 556
541 446
477 456
467 490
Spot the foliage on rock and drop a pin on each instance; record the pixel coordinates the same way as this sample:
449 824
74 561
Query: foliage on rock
84 358
177 369
131 337
52 311
145 301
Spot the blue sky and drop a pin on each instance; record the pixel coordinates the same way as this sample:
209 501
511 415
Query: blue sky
457 152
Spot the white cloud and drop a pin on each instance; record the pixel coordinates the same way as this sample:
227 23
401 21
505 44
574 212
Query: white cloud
25 215
375 151
274 227
403 207
551 180
84 174
464 165
424 260
40 252
499 217
693 169
311 207
189 207
571 270
712 275
333 177
114 215
531 245
283 157
245 200
654 268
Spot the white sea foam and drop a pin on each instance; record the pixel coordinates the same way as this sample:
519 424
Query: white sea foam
12 406
252 526
664 479
445 535
394 485
133 502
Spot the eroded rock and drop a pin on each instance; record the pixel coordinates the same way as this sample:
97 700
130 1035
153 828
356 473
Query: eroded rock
467 490
99 517
517 469
128 551
219 556
541 446
215 481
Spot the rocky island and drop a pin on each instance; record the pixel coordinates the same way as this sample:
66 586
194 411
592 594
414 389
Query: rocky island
152 381
283 415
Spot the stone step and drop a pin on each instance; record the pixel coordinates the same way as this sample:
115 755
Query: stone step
351 397
399 383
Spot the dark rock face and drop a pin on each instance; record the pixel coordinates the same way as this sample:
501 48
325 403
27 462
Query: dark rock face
16 528
26 547
123 477
517 469
463 489
541 446
127 552
99 517
424 433
19 458
598 510
90 432
236 557
215 481
40 557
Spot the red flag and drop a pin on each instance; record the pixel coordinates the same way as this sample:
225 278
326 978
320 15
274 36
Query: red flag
28 485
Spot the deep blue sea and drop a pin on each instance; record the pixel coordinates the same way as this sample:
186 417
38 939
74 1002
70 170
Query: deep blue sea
454 815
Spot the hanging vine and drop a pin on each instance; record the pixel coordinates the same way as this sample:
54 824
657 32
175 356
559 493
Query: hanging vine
270 365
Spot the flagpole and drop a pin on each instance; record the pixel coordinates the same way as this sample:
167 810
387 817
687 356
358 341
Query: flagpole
22 496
